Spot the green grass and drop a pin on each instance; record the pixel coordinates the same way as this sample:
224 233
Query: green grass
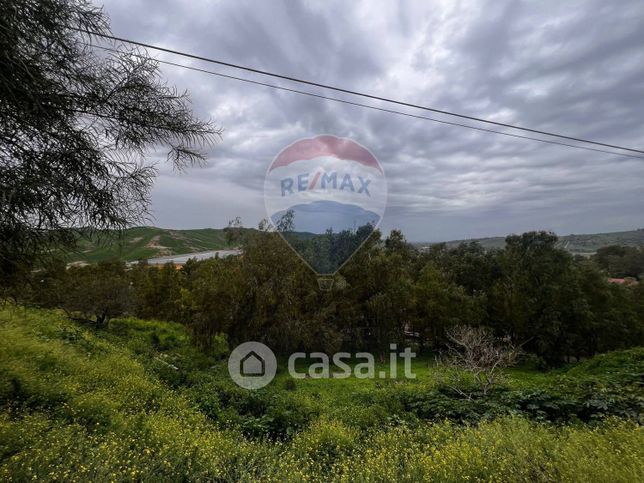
137 402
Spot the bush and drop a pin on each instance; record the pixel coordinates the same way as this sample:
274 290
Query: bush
259 414
568 403
627 365
324 441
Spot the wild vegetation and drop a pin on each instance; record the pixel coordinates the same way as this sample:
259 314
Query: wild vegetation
135 400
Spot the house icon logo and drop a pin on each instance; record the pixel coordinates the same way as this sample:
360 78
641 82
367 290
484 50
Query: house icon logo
252 365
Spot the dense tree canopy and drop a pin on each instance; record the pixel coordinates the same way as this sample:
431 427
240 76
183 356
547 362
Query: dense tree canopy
545 301
621 261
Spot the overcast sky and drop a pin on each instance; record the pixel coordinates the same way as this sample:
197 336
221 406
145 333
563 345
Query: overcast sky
576 68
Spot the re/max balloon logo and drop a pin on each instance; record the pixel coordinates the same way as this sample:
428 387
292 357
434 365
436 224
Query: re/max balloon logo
325 195
324 180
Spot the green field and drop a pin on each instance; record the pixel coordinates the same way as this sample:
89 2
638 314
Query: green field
146 242
576 244
135 401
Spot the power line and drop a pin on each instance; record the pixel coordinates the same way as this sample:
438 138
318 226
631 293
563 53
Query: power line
357 93
382 109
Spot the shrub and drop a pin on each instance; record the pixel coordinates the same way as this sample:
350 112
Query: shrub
324 441
476 352
625 364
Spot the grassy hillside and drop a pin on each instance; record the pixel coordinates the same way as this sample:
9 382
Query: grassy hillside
590 243
136 402
147 242
581 244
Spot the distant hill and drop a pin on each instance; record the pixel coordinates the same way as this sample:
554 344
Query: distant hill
147 242
576 244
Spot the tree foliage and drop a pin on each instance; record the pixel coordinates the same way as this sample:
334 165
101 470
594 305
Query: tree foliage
75 125
531 292
620 261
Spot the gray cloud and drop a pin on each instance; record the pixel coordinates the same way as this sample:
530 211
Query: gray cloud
570 67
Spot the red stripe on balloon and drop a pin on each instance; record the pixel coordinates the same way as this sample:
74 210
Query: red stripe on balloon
325 145
315 180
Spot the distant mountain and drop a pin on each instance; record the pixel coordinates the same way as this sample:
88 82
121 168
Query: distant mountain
319 216
145 242
576 244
